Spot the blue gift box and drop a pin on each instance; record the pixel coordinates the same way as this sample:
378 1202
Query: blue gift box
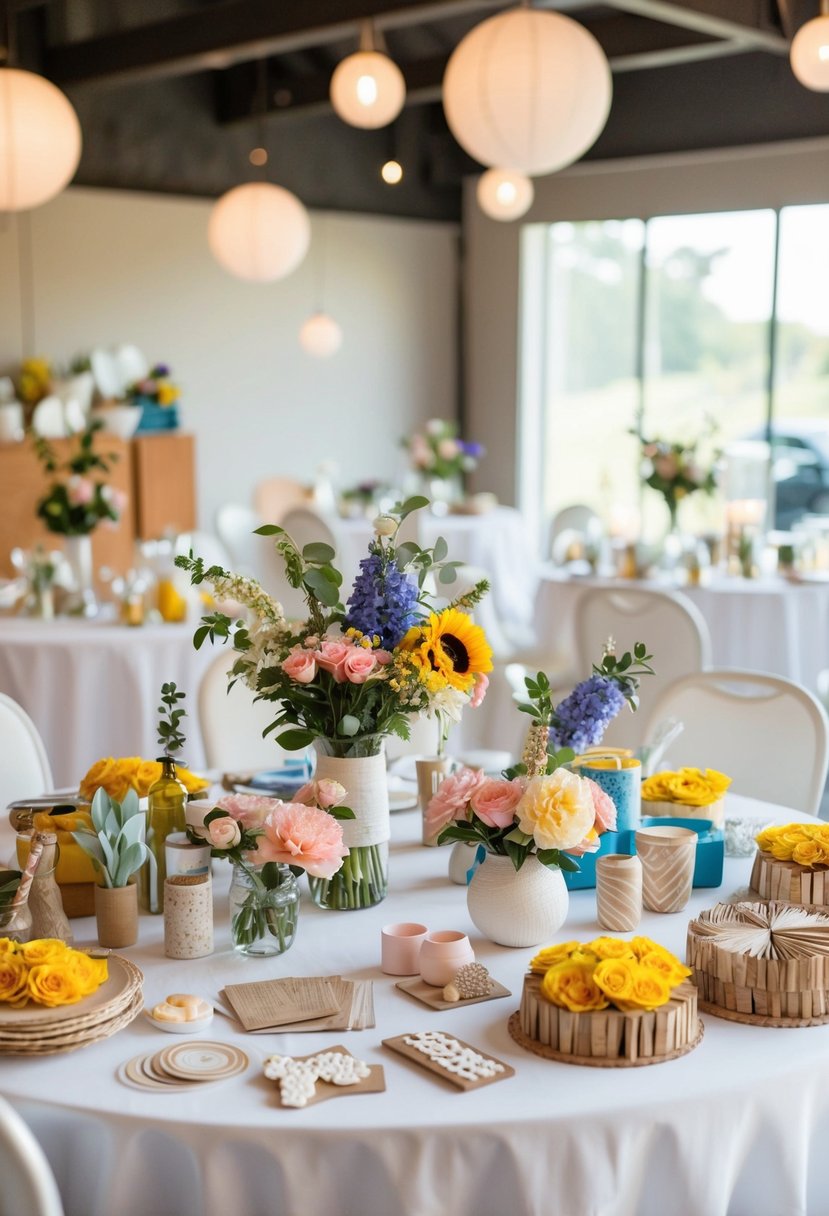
709 861
156 417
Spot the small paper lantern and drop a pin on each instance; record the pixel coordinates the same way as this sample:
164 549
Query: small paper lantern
527 88
40 140
321 336
368 89
504 194
810 54
392 172
259 232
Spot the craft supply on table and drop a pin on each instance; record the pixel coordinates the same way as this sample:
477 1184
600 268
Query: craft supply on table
667 855
334 1073
183 856
400 948
791 863
471 985
442 953
451 1059
183 1065
181 1013
188 916
619 891
45 904
302 1005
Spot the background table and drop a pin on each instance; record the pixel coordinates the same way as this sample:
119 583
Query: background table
764 625
92 687
737 1127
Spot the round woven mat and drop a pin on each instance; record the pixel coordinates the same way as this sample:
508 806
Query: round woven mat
759 1019
550 1053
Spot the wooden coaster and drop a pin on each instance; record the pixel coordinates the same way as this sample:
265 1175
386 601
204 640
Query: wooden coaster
433 997
373 1084
132 1073
549 1053
201 1061
759 1019
433 1066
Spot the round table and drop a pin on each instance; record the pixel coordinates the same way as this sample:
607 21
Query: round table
91 687
737 1126
767 625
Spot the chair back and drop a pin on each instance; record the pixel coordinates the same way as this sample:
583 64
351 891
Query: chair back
575 518
27 1184
232 722
768 734
276 496
25 771
235 525
205 545
673 629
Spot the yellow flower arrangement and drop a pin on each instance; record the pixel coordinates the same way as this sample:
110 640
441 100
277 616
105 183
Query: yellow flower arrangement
448 650
582 976
48 972
687 786
807 844
132 772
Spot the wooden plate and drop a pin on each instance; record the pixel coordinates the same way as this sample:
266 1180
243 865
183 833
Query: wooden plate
123 981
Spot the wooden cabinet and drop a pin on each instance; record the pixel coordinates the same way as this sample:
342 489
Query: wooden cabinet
156 471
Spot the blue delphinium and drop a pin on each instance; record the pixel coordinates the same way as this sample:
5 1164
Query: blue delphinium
383 601
582 718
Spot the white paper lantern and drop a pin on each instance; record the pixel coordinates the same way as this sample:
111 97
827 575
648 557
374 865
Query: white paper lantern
259 232
368 89
504 194
40 140
527 88
321 336
810 54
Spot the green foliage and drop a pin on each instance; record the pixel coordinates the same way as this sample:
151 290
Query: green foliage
116 846
169 736
62 516
627 671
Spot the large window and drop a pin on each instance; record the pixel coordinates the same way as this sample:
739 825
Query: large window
668 323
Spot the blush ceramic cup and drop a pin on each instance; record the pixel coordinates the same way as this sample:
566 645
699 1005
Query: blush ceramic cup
400 948
442 955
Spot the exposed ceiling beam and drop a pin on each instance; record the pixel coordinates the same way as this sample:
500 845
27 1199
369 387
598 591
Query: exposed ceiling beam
738 21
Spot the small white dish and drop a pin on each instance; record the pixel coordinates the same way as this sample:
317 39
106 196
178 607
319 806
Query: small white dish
193 1027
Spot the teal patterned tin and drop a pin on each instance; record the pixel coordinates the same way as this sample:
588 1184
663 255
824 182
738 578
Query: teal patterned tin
621 780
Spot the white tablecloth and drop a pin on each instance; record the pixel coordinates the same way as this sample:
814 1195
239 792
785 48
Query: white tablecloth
737 1127
92 687
496 541
764 625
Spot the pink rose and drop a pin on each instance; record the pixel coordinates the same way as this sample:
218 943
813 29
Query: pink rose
300 665
382 656
666 466
331 657
302 836
194 813
223 833
494 801
452 798
479 690
604 808
306 795
325 793
79 490
359 665
248 809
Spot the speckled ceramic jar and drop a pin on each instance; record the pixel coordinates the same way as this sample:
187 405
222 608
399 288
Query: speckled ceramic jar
188 916
623 785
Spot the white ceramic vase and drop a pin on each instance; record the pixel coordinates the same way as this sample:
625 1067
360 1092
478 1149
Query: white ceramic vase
517 908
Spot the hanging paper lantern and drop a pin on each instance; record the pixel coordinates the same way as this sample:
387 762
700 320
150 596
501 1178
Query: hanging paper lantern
504 194
259 232
40 140
368 89
321 336
810 54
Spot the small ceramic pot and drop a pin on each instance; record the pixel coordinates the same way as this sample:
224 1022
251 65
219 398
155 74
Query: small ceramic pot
442 954
400 946
116 915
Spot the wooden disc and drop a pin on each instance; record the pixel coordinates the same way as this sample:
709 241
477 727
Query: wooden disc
549 1053
758 1019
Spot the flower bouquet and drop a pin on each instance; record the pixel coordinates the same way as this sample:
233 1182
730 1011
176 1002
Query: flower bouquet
674 470
78 501
440 456
351 674
269 841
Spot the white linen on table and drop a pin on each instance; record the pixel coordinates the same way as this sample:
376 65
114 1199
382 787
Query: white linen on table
736 1128
92 687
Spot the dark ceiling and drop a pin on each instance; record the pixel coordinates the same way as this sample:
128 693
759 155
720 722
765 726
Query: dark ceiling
167 90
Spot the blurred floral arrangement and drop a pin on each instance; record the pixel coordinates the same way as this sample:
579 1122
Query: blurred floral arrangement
156 387
47 972
77 503
132 773
584 976
438 452
675 469
686 786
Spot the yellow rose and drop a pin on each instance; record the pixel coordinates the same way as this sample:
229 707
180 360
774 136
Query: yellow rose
782 849
98 777
611 947
147 773
614 976
584 956
571 986
14 978
550 955
766 838
7 946
54 984
667 965
643 945
654 789
557 811
191 782
43 950
89 972
650 990
808 853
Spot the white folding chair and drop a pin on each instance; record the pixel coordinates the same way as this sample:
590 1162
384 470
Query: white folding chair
25 771
768 734
232 722
575 518
671 626
276 496
27 1184
235 525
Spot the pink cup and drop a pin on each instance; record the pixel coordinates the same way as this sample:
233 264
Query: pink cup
400 948
442 955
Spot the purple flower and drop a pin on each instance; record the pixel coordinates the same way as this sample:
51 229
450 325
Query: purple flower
581 719
472 449
159 371
383 601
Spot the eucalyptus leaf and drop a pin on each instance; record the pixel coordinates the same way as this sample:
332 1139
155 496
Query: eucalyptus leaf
269 530
318 552
440 550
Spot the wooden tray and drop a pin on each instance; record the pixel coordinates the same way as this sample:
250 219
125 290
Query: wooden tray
375 1083
433 997
403 1048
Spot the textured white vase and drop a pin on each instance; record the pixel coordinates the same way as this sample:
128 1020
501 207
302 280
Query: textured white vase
517 908
461 861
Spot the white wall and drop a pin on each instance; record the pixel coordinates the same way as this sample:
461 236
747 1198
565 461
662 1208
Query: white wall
773 175
111 267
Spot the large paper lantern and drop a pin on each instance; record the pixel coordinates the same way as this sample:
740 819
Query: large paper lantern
321 336
810 54
40 140
259 232
368 89
504 194
527 88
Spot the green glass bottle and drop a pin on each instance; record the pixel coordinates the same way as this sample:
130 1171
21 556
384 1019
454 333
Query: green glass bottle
165 814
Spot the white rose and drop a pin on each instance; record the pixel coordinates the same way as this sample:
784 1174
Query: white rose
385 525
224 833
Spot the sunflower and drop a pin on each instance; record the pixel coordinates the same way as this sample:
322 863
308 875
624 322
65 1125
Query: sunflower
448 649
